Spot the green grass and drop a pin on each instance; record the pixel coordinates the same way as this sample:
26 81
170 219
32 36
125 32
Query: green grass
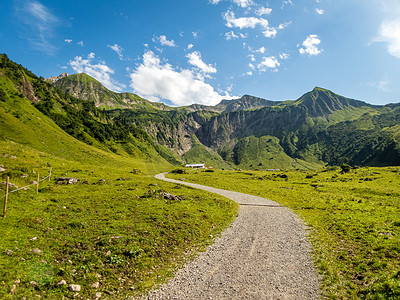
119 232
354 220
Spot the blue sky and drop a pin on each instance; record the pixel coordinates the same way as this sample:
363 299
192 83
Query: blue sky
202 51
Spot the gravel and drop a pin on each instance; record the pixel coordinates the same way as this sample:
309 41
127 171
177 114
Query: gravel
264 254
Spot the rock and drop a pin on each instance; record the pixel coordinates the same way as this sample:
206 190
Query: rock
33 283
9 252
36 251
33 239
22 259
67 180
13 157
13 289
24 175
53 79
96 285
74 287
2 169
98 295
17 281
62 282
169 196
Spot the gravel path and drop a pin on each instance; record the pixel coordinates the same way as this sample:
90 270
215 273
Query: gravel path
264 254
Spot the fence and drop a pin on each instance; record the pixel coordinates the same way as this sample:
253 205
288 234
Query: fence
22 188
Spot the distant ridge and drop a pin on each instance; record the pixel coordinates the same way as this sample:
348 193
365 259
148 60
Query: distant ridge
319 128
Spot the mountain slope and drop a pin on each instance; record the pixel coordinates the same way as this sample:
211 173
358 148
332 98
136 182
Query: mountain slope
84 87
319 128
38 115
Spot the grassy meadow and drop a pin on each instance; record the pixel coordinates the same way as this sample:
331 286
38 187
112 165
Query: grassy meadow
112 233
354 221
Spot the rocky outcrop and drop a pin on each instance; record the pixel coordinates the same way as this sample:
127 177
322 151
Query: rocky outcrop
53 79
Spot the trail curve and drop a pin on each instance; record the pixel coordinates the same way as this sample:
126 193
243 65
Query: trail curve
264 254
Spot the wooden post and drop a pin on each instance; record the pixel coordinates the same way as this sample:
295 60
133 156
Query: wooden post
37 184
50 174
5 201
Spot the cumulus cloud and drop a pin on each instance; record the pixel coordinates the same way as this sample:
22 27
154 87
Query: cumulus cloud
190 46
100 71
319 11
195 60
164 41
118 49
310 45
241 3
69 41
231 35
284 56
244 22
38 23
155 80
263 11
80 43
268 63
270 32
389 31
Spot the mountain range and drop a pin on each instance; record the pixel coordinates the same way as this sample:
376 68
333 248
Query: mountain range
319 128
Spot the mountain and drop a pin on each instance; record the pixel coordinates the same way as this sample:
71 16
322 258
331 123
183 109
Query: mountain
84 87
36 114
319 128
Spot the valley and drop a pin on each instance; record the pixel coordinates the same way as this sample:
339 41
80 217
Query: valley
120 232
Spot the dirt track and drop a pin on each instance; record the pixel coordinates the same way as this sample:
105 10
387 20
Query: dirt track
264 254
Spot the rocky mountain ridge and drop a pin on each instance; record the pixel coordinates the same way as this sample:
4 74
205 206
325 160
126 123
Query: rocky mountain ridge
319 128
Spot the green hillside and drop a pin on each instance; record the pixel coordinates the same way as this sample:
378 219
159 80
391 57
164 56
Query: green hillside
319 128
113 232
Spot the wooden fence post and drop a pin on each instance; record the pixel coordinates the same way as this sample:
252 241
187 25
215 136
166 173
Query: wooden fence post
5 201
37 184
50 174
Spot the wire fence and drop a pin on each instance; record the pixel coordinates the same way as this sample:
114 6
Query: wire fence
24 187
8 184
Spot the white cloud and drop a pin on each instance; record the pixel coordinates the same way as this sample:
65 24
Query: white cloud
99 71
261 50
195 60
69 41
268 63
195 33
118 49
80 43
263 11
164 41
270 32
284 56
230 35
252 58
244 22
389 33
155 80
310 45
190 46
319 11
243 3
40 23
286 2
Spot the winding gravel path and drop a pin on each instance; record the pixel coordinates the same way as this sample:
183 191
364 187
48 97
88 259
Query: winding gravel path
264 254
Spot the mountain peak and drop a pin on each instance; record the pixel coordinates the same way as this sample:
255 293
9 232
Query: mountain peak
56 78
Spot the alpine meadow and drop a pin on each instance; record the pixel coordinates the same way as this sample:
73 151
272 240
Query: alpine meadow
86 219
